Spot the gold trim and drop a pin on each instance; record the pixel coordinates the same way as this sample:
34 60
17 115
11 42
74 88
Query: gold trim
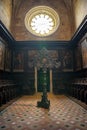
42 10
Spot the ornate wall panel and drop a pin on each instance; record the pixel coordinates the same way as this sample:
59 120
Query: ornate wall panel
67 60
84 53
78 57
7 59
18 61
2 53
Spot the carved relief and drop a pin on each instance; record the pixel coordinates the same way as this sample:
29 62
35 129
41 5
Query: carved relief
7 58
2 49
18 61
84 53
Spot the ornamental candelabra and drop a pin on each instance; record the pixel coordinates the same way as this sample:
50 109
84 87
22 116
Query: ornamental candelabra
43 60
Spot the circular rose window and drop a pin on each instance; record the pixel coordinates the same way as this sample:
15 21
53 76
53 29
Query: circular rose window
42 21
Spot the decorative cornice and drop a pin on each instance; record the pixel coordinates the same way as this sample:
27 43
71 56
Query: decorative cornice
81 31
5 34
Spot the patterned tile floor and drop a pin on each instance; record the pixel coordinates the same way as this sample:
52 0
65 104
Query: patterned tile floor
64 114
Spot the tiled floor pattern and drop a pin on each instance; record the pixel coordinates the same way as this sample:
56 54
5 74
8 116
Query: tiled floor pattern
64 114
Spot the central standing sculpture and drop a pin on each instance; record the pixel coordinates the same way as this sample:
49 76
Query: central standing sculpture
45 103
43 60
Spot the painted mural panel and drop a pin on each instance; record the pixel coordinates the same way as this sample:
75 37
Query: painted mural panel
7 59
2 50
32 53
78 57
18 61
62 56
84 53
67 60
53 53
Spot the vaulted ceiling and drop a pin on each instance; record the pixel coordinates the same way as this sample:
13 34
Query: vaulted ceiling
18 3
62 7
12 13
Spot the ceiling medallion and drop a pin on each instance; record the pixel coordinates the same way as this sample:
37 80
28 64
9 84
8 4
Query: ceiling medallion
42 21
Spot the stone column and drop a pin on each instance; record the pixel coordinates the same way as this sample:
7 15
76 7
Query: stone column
36 79
51 83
